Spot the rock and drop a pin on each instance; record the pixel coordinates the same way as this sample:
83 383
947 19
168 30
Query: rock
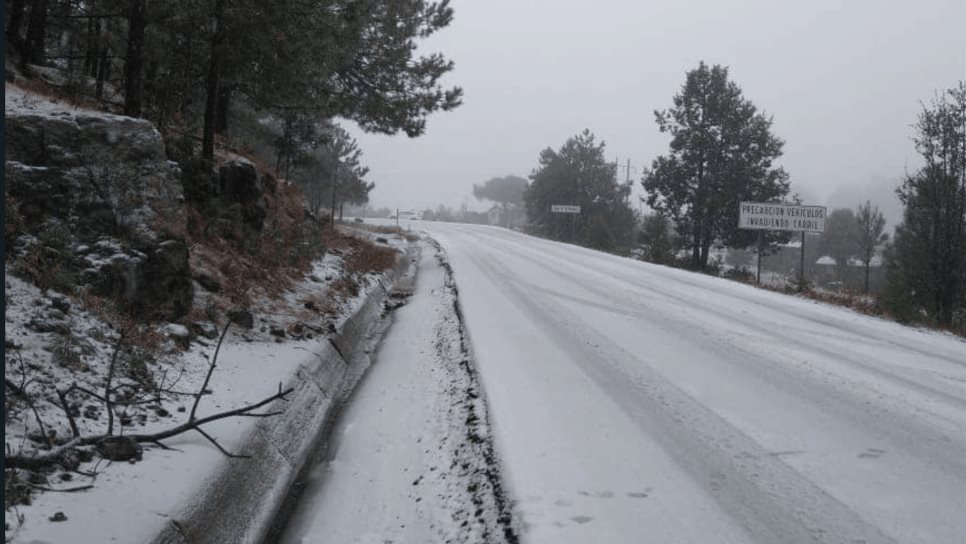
277 331
59 302
44 325
59 516
95 218
107 179
119 448
242 190
242 318
206 329
55 315
165 287
269 183
180 334
382 240
209 283
37 478
85 455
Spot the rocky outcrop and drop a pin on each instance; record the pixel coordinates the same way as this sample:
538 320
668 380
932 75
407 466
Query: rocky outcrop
107 180
232 194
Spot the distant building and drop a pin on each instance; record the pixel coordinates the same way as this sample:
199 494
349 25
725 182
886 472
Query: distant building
854 275
512 217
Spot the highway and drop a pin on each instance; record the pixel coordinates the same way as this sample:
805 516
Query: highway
632 402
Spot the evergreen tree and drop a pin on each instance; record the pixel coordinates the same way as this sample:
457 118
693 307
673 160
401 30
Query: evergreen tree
722 152
505 191
870 225
927 272
578 174
840 240
656 239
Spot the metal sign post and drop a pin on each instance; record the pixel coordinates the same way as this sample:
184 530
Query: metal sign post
761 245
801 266
566 208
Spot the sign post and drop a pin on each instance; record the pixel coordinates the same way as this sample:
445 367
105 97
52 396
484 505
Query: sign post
782 217
573 210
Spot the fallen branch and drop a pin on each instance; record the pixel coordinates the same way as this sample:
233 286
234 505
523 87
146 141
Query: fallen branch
65 455
68 456
63 490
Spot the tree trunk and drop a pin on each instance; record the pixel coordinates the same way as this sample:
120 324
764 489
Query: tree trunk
335 181
93 44
221 111
103 67
33 50
212 84
17 9
134 64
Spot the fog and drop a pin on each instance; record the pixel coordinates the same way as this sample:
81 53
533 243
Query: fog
843 80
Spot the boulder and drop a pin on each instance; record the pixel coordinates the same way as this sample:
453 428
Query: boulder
119 448
242 318
107 179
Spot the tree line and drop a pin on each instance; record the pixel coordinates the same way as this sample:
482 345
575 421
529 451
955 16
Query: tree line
722 151
272 74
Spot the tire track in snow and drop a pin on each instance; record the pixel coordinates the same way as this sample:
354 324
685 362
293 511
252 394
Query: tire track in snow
770 499
485 483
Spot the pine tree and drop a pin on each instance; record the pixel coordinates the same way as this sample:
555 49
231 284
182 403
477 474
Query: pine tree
928 265
722 152
578 174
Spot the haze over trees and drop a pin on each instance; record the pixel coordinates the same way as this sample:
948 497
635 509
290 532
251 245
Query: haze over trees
506 191
840 239
927 273
579 174
722 152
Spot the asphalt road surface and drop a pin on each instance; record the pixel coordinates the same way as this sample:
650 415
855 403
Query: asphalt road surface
637 403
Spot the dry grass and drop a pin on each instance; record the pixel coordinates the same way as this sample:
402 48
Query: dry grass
37 85
361 256
382 229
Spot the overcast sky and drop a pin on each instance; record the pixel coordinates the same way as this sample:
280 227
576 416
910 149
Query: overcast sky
842 78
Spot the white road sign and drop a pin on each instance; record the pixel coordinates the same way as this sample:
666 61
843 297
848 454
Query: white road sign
561 208
765 216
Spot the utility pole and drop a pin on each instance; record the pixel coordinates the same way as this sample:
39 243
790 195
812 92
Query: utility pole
335 181
627 175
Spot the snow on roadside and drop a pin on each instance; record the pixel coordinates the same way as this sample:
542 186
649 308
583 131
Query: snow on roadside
412 459
131 501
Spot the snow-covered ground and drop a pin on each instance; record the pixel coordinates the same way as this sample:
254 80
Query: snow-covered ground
637 403
132 502
410 459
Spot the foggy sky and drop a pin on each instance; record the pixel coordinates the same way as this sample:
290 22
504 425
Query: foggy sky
843 80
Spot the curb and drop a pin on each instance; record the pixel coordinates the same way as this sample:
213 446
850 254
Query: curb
240 502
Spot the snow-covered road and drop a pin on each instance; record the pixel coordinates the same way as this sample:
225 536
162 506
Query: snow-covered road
637 403
410 459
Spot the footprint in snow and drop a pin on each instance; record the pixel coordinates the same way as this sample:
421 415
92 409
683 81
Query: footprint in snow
582 519
871 453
